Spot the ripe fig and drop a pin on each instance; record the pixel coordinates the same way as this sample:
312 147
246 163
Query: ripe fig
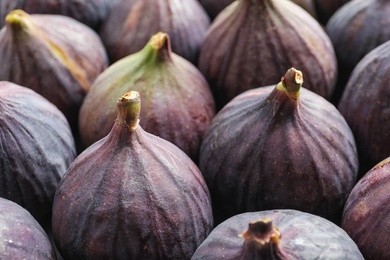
365 104
366 214
131 195
54 55
37 147
177 101
21 236
89 12
355 29
277 234
286 147
252 42
131 23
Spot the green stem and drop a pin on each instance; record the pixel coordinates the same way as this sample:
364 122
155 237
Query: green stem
291 83
129 108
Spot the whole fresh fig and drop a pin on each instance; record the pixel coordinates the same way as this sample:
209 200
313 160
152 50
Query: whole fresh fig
131 195
277 234
37 147
280 146
365 104
89 12
177 101
252 42
355 29
366 216
131 23
54 55
21 236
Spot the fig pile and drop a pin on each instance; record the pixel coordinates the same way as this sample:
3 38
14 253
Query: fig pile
274 109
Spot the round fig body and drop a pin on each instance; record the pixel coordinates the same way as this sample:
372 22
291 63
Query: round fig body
355 29
131 195
54 55
367 212
365 104
279 146
37 148
131 23
177 101
251 43
277 234
21 236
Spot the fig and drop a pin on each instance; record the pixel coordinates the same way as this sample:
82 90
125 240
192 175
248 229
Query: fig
356 29
277 234
54 55
367 213
286 147
365 104
177 100
251 43
130 24
21 236
326 8
131 195
37 147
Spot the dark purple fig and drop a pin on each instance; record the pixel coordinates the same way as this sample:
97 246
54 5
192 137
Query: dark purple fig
280 146
177 101
214 7
355 29
326 8
131 195
366 216
251 43
21 236
89 12
365 104
37 147
131 23
54 55
277 235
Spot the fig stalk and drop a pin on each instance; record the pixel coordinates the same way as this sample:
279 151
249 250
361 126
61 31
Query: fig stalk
261 241
17 20
291 83
129 109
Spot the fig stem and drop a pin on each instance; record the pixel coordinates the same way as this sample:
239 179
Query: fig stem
291 83
158 48
262 240
129 108
18 20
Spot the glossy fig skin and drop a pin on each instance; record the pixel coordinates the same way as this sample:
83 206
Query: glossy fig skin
37 148
366 212
131 23
355 29
282 153
21 236
131 194
303 236
54 55
365 104
177 101
251 43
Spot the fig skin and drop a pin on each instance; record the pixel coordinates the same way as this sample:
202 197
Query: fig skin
355 29
296 235
56 56
367 213
131 23
365 104
252 42
177 100
37 148
131 195
287 147
89 12
21 236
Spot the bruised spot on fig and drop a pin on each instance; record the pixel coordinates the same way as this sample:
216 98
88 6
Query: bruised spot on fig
129 109
291 83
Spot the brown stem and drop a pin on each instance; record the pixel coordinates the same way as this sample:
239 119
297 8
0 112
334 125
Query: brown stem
129 108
